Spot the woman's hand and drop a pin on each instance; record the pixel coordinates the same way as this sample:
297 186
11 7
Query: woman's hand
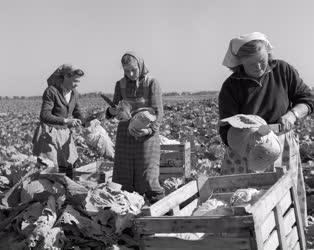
119 113
72 122
139 133
113 111
287 121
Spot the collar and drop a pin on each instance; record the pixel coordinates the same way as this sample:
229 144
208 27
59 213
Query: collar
62 95
241 75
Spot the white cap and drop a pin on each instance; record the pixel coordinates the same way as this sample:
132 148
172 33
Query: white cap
231 60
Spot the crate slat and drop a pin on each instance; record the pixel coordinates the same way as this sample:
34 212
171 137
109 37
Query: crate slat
285 202
185 224
296 246
171 170
289 221
170 155
175 198
280 226
173 147
272 242
267 226
298 219
208 243
292 238
188 209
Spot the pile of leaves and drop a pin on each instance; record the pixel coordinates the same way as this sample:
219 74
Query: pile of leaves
47 210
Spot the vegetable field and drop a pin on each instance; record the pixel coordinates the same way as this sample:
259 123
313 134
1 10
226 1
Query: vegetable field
188 118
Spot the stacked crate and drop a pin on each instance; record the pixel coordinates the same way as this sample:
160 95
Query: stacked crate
175 160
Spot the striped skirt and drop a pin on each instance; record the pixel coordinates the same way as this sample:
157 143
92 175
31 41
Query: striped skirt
290 157
136 164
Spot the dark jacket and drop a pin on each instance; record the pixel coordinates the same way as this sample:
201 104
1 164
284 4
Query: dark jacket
55 108
279 90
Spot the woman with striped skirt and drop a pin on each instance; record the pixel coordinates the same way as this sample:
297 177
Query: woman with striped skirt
137 152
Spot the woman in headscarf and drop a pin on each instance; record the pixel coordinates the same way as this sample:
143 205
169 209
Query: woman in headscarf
60 111
137 152
272 89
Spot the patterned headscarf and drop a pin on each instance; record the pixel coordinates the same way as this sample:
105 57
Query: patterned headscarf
57 76
143 70
231 60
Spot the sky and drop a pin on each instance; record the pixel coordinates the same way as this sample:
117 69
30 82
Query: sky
183 42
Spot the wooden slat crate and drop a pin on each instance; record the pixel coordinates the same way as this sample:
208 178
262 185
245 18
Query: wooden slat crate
272 222
175 160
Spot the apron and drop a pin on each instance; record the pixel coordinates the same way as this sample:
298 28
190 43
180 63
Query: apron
55 144
136 163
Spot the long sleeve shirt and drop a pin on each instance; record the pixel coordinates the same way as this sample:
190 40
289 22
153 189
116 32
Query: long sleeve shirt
146 94
278 90
55 108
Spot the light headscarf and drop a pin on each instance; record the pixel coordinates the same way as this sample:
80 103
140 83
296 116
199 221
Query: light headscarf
231 60
141 65
57 76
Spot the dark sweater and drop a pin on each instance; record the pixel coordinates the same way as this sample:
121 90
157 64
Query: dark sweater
55 108
279 90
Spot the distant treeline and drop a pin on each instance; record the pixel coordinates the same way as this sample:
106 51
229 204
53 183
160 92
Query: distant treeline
187 93
96 94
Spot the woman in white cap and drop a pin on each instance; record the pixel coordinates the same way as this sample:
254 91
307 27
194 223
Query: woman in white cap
272 89
60 111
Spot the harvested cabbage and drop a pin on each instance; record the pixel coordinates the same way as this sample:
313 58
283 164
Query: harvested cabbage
141 119
244 196
97 137
213 207
256 142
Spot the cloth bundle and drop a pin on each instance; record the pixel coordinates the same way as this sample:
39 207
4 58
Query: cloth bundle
97 137
252 139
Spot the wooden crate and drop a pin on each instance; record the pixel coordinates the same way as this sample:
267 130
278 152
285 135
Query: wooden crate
272 222
175 160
